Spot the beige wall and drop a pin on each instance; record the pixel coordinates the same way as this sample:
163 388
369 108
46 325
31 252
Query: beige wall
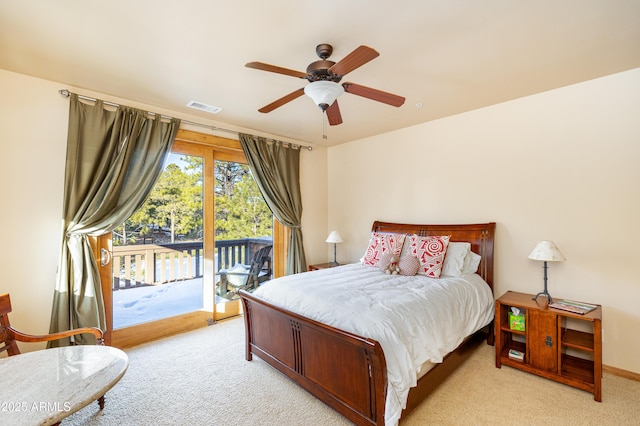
33 136
562 165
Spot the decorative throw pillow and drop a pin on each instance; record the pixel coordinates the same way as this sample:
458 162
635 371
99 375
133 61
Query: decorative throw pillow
409 265
455 258
430 251
382 244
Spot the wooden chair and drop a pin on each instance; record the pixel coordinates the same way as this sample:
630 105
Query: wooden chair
9 336
246 277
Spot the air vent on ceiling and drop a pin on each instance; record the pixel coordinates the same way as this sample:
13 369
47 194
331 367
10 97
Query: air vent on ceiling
204 107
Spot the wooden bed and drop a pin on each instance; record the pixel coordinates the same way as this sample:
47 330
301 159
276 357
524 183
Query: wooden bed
346 371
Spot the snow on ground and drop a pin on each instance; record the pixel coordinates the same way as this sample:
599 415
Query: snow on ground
142 304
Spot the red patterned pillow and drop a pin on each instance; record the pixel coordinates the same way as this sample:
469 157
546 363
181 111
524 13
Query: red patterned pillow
382 244
430 251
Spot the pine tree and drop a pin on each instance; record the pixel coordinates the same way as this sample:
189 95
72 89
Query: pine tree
173 210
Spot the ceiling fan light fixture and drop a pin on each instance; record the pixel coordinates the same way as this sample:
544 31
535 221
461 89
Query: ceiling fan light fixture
324 93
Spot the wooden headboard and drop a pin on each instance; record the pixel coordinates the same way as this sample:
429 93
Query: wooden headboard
480 236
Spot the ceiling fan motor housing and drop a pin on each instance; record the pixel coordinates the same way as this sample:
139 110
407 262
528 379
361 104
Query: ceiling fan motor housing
319 71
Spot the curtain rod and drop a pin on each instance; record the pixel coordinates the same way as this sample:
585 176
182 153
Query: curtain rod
66 93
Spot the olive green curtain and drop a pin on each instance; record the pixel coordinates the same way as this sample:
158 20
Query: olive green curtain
113 160
276 169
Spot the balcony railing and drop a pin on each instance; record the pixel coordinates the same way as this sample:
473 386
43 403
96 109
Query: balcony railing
152 264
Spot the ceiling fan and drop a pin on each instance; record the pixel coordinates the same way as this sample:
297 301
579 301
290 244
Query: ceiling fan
324 77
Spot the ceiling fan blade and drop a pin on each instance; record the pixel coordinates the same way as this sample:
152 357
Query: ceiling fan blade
353 60
283 100
333 114
272 68
374 94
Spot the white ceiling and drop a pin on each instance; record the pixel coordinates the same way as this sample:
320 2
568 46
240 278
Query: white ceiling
450 56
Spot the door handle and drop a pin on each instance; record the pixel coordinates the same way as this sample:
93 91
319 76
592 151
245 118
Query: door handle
549 341
105 257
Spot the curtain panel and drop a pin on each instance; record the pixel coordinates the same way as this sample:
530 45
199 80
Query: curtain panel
113 160
276 169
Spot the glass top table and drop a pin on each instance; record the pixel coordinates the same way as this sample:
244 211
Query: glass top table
44 387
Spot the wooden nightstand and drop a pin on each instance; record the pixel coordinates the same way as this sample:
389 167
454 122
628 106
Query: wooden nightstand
322 266
553 343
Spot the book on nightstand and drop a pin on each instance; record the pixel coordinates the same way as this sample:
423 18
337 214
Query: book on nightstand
573 306
514 354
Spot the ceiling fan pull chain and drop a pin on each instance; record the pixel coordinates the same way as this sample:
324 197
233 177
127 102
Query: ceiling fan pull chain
324 125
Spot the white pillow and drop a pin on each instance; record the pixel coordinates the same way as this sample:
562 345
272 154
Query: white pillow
471 263
460 260
454 261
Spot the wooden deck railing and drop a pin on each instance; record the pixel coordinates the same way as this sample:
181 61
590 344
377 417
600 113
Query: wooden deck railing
151 264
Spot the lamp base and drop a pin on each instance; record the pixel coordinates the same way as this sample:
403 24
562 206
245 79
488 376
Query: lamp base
543 293
335 262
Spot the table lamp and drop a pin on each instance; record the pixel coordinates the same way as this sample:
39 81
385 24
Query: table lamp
546 251
335 238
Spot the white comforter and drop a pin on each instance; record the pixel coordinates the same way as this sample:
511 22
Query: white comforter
415 319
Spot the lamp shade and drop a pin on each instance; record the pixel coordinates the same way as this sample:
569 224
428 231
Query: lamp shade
334 237
547 251
323 93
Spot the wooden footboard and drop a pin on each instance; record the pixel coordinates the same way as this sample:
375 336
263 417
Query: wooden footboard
346 371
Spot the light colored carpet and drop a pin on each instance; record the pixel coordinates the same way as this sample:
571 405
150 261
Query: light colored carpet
202 378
